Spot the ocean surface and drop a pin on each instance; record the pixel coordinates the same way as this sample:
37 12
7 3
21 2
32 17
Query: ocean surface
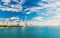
30 32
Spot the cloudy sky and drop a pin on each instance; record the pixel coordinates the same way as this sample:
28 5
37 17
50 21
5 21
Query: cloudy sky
39 11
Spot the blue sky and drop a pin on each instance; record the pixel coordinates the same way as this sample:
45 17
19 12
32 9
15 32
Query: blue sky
36 10
22 13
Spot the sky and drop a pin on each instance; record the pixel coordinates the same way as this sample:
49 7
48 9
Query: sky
38 11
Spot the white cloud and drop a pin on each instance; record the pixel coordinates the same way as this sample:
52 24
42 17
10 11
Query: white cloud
12 18
38 18
20 2
6 1
52 10
33 9
56 17
14 8
3 21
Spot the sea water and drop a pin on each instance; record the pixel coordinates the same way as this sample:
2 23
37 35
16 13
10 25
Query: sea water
30 32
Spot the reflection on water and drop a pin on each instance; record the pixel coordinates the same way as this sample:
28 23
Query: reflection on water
30 32
11 32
